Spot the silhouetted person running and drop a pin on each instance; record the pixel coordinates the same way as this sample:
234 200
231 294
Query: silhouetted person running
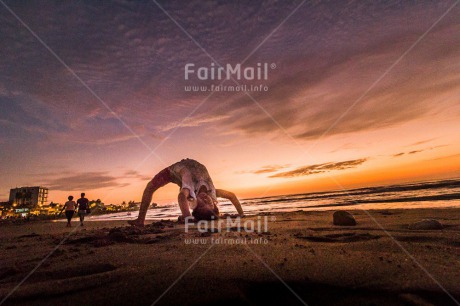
197 192
83 206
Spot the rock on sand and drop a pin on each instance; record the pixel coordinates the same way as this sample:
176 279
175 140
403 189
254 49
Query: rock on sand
426 224
342 217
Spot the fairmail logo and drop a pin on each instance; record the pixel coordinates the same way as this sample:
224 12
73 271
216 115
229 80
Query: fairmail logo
228 72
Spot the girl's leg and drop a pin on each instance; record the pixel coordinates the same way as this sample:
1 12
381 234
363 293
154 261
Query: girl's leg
69 217
161 179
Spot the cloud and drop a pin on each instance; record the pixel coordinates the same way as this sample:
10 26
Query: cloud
421 142
266 169
418 151
135 174
121 138
193 122
137 67
446 157
22 112
156 136
84 181
88 180
321 168
308 94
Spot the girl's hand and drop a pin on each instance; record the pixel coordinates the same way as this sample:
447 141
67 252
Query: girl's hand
181 219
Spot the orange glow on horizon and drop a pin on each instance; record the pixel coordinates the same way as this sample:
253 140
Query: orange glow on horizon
378 173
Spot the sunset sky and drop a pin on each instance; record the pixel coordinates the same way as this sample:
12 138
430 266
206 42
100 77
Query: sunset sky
92 95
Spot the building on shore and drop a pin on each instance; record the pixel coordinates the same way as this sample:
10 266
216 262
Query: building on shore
28 197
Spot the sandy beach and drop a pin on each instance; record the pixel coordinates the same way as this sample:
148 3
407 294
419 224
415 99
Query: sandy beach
303 258
330 128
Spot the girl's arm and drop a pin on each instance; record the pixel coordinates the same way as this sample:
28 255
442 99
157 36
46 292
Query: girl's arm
232 197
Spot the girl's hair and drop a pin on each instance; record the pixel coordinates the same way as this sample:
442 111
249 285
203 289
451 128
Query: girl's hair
70 198
203 211
205 214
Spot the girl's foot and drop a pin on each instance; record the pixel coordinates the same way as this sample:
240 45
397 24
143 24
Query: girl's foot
136 223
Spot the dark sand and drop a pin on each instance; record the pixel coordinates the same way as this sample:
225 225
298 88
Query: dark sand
321 263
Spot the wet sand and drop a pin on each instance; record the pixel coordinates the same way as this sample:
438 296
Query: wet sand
303 258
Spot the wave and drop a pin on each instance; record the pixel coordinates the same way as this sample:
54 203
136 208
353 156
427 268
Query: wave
442 193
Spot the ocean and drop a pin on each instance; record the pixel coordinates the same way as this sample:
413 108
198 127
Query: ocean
433 194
